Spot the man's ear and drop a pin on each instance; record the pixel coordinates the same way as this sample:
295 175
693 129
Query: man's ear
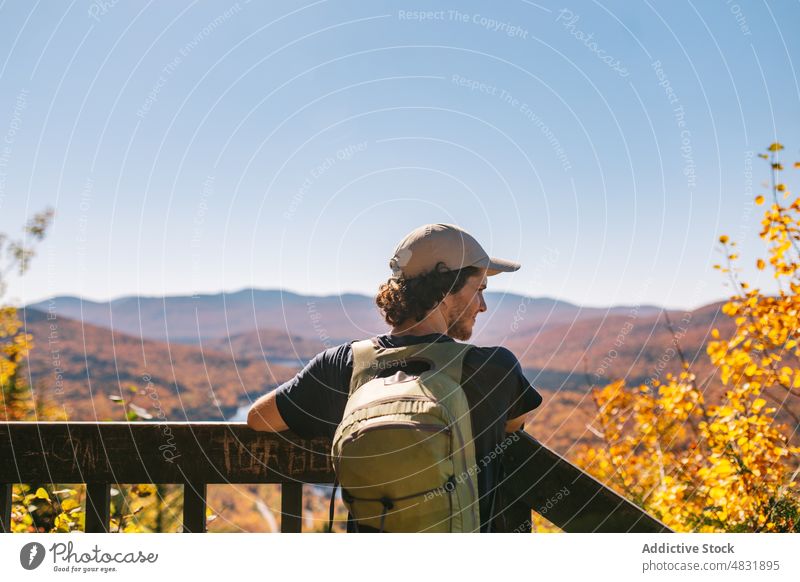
444 304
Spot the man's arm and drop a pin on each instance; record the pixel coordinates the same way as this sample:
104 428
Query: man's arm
524 396
264 415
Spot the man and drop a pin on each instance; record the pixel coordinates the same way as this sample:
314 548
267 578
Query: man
434 295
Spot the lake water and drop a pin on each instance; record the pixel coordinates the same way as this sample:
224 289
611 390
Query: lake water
241 414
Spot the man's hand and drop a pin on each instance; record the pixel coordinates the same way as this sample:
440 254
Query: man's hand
264 415
515 424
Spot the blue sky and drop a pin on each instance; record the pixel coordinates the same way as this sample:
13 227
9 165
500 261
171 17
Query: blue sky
199 147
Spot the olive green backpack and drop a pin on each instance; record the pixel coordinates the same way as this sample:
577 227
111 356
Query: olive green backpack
403 453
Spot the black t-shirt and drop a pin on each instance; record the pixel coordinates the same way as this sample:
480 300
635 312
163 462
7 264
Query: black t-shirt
312 403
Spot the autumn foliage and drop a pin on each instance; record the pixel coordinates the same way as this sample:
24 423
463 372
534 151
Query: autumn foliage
724 464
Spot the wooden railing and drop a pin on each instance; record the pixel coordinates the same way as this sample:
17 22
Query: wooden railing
100 454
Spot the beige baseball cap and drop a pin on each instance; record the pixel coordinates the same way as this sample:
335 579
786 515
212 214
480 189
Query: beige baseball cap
420 251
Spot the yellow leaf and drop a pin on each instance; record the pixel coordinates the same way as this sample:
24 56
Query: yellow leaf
774 147
717 493
42 494
63 523
760 264
760 198
758 404
723 239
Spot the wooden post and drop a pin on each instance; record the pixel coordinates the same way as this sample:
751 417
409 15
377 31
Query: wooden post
5 507
98 507
291 507
194 507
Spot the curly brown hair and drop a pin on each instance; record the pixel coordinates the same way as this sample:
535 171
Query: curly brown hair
402 299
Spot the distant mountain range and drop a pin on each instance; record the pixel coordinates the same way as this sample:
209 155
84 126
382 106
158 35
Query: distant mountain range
192 319
638 346
201 358
329 319
82 368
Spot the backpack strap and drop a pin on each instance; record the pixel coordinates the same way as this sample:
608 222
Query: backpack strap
369 358
364 353
330 509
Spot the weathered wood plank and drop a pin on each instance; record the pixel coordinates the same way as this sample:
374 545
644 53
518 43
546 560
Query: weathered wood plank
570 498
291 507
514 517
98 507
121 452
219 452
